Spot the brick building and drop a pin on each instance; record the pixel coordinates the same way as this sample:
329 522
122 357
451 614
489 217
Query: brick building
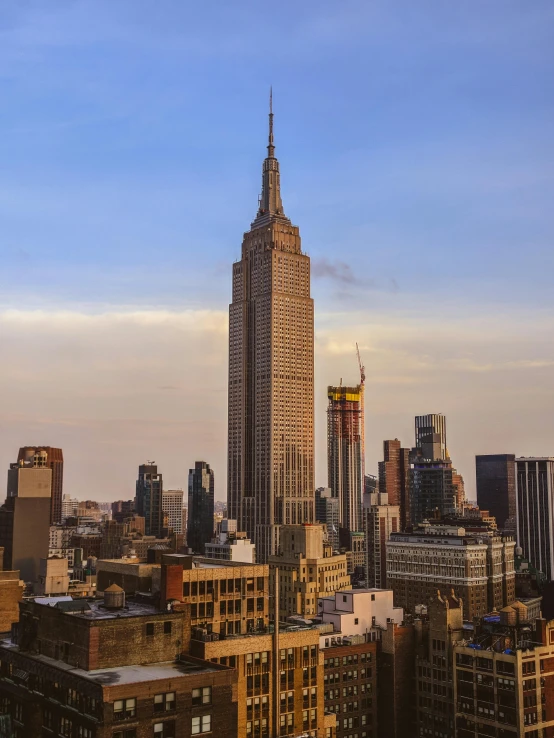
108 669
350 686
396 693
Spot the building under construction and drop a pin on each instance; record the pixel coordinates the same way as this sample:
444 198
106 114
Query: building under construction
345 451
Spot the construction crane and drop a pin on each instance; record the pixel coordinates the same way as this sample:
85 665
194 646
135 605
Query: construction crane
362 367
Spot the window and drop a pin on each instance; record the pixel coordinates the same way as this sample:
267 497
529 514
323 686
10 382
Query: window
164 702
66 727
167 627
164 730
203 695
202 724
356 621
131 733
149 629
124 709
83 732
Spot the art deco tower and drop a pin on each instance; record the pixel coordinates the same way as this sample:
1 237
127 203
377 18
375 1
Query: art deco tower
271 374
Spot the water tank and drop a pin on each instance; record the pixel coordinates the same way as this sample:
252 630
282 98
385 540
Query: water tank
508 616
114 597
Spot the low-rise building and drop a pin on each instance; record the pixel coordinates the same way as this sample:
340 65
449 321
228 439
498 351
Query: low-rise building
504 677
358 612
110 669
229 544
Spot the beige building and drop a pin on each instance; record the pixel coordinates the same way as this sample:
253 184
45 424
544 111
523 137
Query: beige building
271 375
307 569
477 564
379 520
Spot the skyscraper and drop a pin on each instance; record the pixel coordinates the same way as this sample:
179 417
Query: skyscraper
55 462
496 486
149 498
535 512
271 357
24 516
327 512
430 436
345 476
200 523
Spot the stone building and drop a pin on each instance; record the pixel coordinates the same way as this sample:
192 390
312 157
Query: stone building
307 568
477 563
380 519
271 375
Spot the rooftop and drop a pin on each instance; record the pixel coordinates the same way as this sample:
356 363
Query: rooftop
118 675
94 609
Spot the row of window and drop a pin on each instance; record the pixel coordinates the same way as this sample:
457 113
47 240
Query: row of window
165 702
347 660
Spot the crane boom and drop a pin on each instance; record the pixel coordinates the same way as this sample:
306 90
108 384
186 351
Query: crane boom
362 367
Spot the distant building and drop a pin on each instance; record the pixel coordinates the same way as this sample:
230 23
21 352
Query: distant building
53 577
496 487
122 509
308 569
380 520
475 562
230 544
394 478
25 515
327 513
149 498
69 507
200 524
535 511
172 505
54 460
430 436
345 451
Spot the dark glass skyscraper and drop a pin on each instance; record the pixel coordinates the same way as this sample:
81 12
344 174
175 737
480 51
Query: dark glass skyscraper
496 486
535 512
149 498
200 523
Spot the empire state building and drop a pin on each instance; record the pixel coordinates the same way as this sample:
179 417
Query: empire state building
271 374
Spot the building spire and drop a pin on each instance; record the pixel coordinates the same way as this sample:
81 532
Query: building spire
270 204
270 146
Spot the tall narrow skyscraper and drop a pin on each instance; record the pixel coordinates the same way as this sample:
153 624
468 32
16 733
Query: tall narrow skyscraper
271 373
430 436
200 521
535 511
149 498
496 487
345 453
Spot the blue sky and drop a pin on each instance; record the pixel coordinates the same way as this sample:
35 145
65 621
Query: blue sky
417 156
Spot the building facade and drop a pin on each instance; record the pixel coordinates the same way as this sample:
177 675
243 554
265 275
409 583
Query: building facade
496 487
149 498
345 451
535 511
54 461
430 436
327 512
394 473
477 564
380 520
229 544
172 506
504 677
25 516
271 374
307 569
200 521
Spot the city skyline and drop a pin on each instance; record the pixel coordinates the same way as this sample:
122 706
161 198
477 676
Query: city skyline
422 222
